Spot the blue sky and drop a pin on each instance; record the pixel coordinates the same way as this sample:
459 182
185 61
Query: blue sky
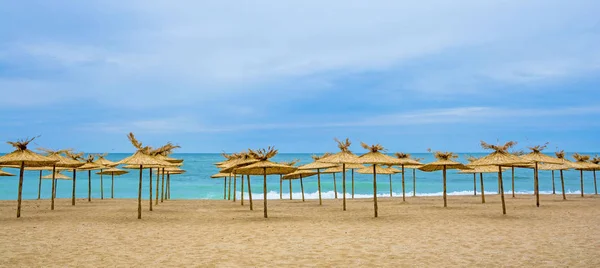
230 75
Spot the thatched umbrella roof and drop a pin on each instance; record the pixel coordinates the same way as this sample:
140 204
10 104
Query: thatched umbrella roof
545 166
89 164
101 161
63 162
537 156
317 165
374 156
219 175
405 160
581 162
58 176
444 159
5 174
163 152
140 158
113 171
378 169
22 155
299 173
336 169
174 170
500 156
480 169
345 156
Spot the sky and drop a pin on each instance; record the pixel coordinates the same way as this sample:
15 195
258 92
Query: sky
227 75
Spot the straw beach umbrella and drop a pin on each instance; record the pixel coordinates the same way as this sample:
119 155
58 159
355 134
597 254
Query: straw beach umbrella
63 162
380 171
140 158
375 158
414 173
299 174
444 162
23 157
353 167
554 167
162 153
480 170
500 158
5 174
405 160
236 161
75 157
89 166
581 163
57 176
316 165
595 161
264 167
291 164
537 157
345 156
224 176
112 172
103 162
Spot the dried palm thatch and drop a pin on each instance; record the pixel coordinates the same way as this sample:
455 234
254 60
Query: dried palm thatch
379 170
163 152
500 156
57 176
22 157
62 161
317 165
376 157
89 163
113 171
102 161
345 156
537 156
444 161
219 175
264 167
406 160
299 174
290 163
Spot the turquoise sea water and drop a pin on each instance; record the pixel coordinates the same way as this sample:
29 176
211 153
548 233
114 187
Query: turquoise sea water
197 184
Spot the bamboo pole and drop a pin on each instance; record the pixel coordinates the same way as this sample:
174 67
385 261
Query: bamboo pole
334 186
319 186
375 190
74 181
40 187
90 185
562 183
502 189
343 186
150 193
20 194
302 187
250 193
140 195
265 191
52 191
482 188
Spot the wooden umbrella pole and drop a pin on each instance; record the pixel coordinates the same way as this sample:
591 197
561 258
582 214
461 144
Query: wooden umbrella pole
157 184
302 187
40 187
250 193
229 192
444 175
553 188
112 186
375 190
414 182
482 189
224 188
475 184
513 181
502 189
234 187
334 186
343 186
53 185
319 186
562 184
265 191
140 195
403 186
89 185
352 183
74 181
581 175
150 193
595 187
169 186
101 186
537 186
280 186
242 191
290 182
162 187
20 193
390 175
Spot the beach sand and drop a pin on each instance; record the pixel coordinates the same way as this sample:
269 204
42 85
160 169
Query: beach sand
209 233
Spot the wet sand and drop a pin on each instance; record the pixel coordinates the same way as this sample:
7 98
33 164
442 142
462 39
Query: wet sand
220 233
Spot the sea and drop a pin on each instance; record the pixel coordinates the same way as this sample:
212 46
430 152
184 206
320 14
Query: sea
196 183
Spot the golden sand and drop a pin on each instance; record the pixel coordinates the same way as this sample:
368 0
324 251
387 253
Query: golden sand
208 233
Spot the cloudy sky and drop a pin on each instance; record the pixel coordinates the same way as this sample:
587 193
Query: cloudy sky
228 75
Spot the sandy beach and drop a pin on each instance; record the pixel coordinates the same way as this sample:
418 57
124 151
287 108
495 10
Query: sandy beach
220 233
